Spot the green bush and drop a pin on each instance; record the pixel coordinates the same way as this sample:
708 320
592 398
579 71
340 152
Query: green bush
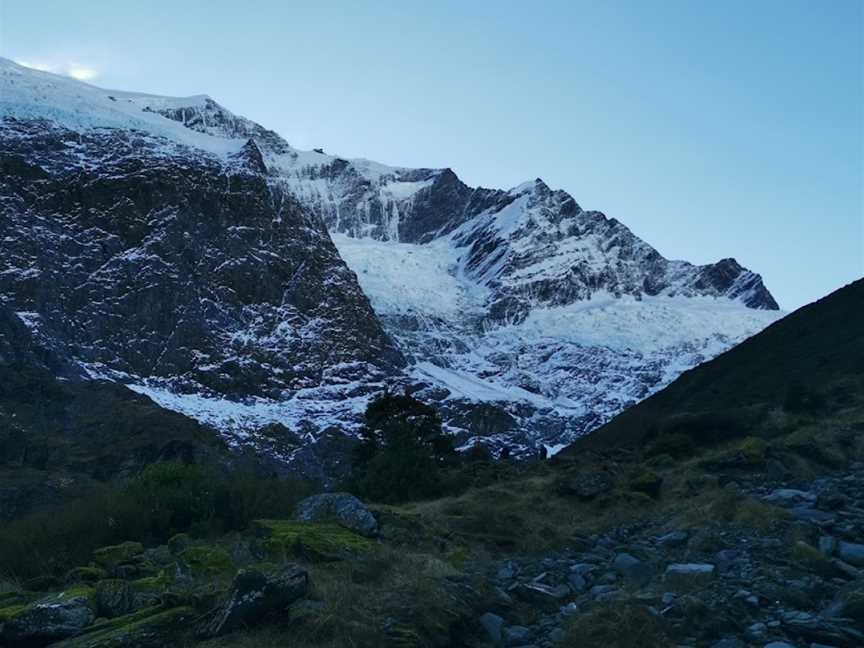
402 451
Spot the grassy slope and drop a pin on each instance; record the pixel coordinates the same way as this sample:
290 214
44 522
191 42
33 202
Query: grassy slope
821 345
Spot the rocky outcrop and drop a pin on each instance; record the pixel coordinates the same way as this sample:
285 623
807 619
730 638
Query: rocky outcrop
52 618
162 262
342 508
253 595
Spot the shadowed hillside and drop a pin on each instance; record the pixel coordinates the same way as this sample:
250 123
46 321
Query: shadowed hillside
811 360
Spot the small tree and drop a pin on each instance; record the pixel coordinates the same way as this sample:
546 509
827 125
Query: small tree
402 450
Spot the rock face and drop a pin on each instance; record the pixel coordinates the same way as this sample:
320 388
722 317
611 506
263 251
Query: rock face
182 250
163 263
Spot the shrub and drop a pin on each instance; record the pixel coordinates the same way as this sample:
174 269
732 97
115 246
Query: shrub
402 451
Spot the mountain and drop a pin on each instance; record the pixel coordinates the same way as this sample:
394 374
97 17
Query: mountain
196 257
812 360
60 437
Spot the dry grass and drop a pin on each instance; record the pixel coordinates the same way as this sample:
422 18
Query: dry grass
623 624
386 597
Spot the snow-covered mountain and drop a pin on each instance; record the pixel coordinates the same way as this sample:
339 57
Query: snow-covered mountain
183 250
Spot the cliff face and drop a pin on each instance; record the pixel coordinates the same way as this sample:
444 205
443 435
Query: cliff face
157 261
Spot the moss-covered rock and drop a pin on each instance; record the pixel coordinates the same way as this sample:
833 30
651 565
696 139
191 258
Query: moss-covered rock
149 628
207 560
53 617
254 594
116 554
9 611
284 539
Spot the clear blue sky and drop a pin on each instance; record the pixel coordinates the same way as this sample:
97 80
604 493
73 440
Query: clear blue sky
712 129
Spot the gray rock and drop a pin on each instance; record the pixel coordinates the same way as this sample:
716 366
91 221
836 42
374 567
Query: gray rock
506 572
577 583
516 635
778 644
253 595
53 617
788 496
633 569
757 631
846 569
851 553
729 642
493 625
815 516
689 576
673 539
726 555
827 545
587 486
600 590
582 568
542 594
342 508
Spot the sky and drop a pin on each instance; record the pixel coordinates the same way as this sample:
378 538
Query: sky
711 129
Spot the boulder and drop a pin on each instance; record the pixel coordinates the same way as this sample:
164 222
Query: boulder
150 628
541 594
851 553
586 485
255 594
516 635
342 508
52 618
577 583
493 625
685 577
633 569
673 539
